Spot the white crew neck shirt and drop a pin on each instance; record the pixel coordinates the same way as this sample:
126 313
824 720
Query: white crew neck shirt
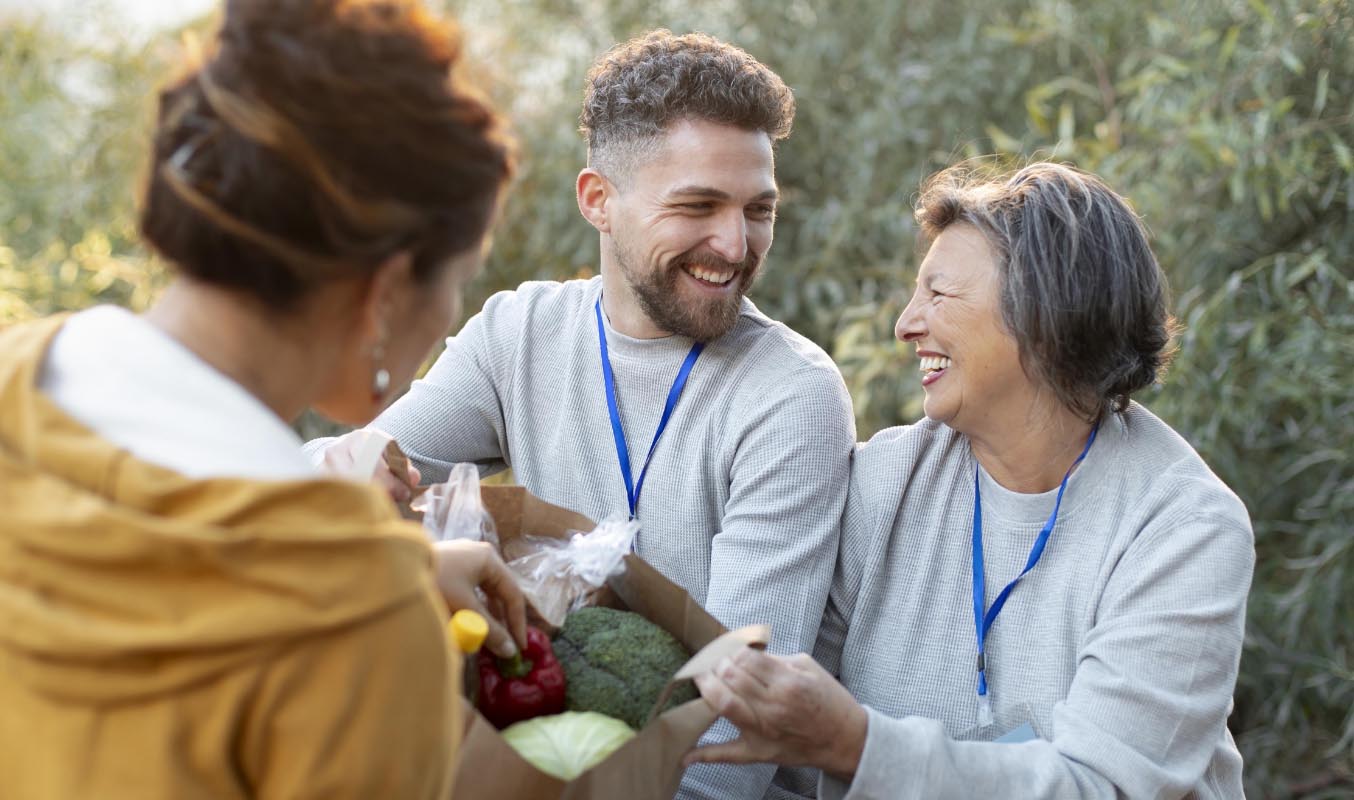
142 390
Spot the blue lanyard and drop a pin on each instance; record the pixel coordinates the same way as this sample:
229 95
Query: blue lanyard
983 622
633 488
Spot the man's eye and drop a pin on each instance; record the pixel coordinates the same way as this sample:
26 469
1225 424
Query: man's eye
762 212
697 206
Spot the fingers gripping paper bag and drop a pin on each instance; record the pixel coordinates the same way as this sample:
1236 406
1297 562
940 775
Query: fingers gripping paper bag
647 766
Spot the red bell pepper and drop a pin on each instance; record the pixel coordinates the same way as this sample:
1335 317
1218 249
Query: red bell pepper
530 684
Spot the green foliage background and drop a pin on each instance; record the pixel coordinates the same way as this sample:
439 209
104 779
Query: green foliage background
1229 123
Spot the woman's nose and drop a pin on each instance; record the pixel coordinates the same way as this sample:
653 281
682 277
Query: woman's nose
911 324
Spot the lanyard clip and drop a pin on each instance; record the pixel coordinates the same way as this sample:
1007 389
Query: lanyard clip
984 710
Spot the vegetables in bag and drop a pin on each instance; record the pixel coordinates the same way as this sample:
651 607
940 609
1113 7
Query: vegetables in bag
569 744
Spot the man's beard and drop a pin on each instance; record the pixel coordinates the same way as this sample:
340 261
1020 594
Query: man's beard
660 297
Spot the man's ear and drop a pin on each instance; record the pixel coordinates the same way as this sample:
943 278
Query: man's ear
594 190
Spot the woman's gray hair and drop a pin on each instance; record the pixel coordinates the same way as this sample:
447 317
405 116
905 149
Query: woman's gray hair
1081 291
640 87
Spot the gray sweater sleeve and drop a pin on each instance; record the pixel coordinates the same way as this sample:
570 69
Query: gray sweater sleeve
1148 702
773 560
857 523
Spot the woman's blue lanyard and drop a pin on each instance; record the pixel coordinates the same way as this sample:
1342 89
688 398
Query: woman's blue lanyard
632 487
983 622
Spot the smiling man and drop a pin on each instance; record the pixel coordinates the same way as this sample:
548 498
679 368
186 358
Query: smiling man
658 389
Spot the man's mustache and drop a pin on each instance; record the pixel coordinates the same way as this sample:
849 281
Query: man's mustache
715 262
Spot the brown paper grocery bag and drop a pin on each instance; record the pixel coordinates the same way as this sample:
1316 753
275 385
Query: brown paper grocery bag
649 766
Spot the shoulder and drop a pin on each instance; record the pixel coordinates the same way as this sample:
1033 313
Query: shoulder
535 312
67 332
1168 507
883 468
775 365
542 300
774 347
897 452
1169 479
546 297
22 345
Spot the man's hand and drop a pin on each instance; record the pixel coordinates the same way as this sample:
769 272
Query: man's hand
463 566
789 710
341 454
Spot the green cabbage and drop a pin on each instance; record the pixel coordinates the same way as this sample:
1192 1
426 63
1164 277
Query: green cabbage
569 744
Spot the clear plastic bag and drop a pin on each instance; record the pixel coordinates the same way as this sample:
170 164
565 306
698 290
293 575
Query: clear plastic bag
559 575
556 575
454 510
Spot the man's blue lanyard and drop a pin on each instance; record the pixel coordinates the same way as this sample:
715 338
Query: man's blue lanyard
983 622
633 488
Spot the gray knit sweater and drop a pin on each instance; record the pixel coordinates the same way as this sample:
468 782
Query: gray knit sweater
1120 648
743 498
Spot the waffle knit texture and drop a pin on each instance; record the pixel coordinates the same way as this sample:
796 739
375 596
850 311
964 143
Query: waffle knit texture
743 498
1120 648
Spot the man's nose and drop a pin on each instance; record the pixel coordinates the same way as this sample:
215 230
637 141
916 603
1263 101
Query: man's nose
730 239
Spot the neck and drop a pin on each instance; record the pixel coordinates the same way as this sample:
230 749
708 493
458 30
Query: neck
1033 457
266 353
621 306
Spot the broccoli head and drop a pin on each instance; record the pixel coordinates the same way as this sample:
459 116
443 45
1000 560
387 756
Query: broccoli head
617 662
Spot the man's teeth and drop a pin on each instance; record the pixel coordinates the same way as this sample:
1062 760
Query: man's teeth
720 278
934 363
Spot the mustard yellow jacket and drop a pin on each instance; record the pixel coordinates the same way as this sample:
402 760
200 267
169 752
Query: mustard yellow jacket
163 637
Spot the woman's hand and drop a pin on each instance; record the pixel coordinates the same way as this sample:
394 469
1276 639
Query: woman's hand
398 479
463 566
789 710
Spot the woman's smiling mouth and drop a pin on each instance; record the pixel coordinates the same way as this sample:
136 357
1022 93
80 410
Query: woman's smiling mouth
933 367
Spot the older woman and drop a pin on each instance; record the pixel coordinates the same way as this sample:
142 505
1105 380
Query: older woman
187 608
1041 587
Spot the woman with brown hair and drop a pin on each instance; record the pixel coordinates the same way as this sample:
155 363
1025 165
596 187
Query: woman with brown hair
187 608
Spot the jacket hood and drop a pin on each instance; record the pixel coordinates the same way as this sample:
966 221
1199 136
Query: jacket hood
121 580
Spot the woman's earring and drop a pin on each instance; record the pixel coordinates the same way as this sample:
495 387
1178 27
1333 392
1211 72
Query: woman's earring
380 380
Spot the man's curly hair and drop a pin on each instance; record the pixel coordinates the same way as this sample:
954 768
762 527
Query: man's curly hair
639 88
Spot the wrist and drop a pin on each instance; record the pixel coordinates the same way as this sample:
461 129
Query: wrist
849 747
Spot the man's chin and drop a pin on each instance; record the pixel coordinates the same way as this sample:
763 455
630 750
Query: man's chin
710 319
686 310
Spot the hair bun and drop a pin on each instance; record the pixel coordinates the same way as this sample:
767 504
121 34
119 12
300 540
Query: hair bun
268 174
245 13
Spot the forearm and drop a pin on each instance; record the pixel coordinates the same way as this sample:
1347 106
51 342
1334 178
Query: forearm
441 424
913 758
788 591
1145 717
